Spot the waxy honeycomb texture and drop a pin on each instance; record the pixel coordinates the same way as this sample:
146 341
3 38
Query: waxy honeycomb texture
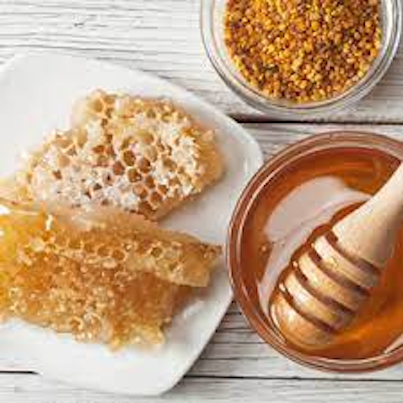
143 156
103 276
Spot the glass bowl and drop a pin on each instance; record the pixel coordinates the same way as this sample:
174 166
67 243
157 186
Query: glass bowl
243 295
212 27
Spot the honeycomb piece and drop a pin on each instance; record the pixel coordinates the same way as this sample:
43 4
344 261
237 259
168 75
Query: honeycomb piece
145 156
92 279
176 257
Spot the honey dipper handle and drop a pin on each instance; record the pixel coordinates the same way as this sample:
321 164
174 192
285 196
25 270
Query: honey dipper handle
370 231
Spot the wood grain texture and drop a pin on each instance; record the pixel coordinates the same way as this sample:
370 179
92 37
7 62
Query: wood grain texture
161 37
32 389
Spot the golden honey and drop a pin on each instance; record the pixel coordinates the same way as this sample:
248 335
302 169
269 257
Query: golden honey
297 205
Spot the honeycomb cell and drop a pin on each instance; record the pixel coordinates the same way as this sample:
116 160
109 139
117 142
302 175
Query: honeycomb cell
103 251
110 151
156 252
118 255
98 106
75 243
149 182
146 137
150 154
134 176
118 168
57 175
129 158
155 200
89 247
144 165
141 191
62 141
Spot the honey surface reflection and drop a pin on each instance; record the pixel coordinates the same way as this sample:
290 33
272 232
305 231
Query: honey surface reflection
299 204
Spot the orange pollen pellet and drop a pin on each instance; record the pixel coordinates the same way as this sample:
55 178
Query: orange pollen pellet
302 50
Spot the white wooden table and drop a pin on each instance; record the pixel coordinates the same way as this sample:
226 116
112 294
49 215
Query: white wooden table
162 37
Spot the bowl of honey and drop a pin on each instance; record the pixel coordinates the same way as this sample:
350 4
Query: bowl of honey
297 196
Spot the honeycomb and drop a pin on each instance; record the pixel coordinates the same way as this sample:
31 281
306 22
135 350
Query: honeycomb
104 276
141 155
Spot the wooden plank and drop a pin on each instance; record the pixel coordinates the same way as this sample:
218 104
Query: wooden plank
273 137
161 37
16 388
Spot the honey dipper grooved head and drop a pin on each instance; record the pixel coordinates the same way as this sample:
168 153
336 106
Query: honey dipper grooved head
328 285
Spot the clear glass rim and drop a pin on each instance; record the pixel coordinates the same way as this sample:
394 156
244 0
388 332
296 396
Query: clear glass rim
392 27
270 169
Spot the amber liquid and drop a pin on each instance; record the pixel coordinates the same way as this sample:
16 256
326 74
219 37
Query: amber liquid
301 203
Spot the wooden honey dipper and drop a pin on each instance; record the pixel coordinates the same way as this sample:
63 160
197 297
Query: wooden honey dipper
329 284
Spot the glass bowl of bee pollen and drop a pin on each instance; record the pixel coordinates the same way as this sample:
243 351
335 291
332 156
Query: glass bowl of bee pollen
301 57
297 195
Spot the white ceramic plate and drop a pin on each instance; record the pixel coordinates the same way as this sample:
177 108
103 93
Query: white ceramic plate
36 95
